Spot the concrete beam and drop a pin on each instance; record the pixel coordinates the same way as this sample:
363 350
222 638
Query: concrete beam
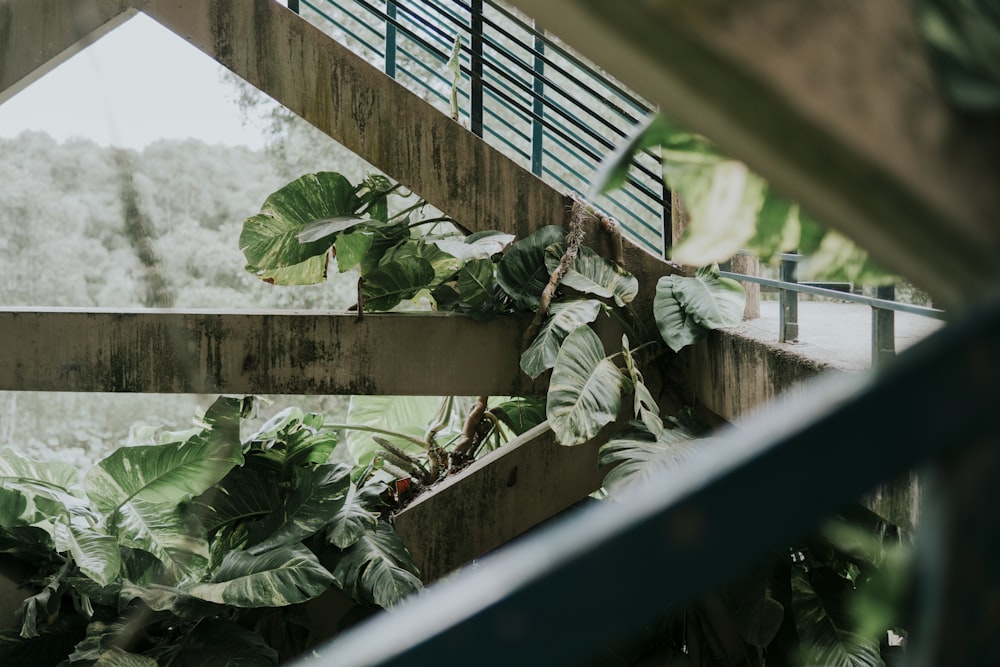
833 102
497 498
36 36
150 351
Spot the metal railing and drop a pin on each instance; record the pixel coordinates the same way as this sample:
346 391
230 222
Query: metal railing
883 305
516 87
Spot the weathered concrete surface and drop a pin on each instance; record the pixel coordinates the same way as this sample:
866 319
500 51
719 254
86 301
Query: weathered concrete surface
266 353
834 102
497 498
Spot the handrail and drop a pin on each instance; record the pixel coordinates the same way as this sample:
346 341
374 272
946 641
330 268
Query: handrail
511 74
883 305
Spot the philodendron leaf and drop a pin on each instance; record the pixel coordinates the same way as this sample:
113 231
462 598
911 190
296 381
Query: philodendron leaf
476 283
138 489
36 490
482 245
676 327
377 568
644 405
443 263
392 282
318 495
326 229
637 456
522 272
826 634
585 391
355 517
351 249
276 578
13 505
246 494
270 240
592 274
564 317
710 300
95 553
36 609
309 272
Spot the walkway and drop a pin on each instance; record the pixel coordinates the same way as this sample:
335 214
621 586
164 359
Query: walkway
835 334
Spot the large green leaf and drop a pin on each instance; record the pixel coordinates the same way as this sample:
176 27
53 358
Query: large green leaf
95 553
592 274
826 635
356 516
165 531
710 300
563 318
351 248
35 490
276 578
392 282
377 568
675 325
585 391
477 285
443 263
638 456
270 240
522 272
318 494
327 228
309 272
403 414
244 495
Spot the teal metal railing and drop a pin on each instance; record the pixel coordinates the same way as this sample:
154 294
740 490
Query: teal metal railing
517 88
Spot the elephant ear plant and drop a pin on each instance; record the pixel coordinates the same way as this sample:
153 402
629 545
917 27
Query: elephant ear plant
186 551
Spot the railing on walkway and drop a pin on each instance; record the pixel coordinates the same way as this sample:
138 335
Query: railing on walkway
514 86
883 305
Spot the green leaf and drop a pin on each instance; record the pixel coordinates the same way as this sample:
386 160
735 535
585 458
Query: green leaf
585 389
403 414
270 240
377 568
115 657
351 248
482 245
166 532
522 272
709 300
13 505
444 264
476 283
389 284
326 229
722 199
244 495
520 414
356 516
35 610
215 642
778 227
676 327
168 598
317 495
826 635
639 456
592 274
35 490
95 553
276 578
563 318
644 405
309 272
838 259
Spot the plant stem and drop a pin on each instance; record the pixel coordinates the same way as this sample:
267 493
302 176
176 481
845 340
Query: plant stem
420 204
443 218
375 429
468 440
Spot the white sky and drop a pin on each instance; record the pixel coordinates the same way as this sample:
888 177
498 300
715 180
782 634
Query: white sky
137 84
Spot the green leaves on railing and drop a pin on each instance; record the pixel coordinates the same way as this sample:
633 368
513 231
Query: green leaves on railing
564 318
522 272
592 274
637 456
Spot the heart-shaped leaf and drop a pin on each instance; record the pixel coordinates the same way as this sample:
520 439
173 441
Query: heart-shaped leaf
564 317
592 274
389 284
522 272
585 391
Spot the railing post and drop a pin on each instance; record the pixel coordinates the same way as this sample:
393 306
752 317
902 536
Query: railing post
476 31
883 327
789 324
537 106
294 5
390 38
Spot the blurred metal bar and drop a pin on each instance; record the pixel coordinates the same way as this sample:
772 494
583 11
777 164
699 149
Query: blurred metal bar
789 325
476 112
883 327
390 38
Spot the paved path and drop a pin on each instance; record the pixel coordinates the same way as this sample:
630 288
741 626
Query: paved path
837 334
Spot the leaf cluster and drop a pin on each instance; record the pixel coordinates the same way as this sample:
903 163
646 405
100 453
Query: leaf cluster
168 553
